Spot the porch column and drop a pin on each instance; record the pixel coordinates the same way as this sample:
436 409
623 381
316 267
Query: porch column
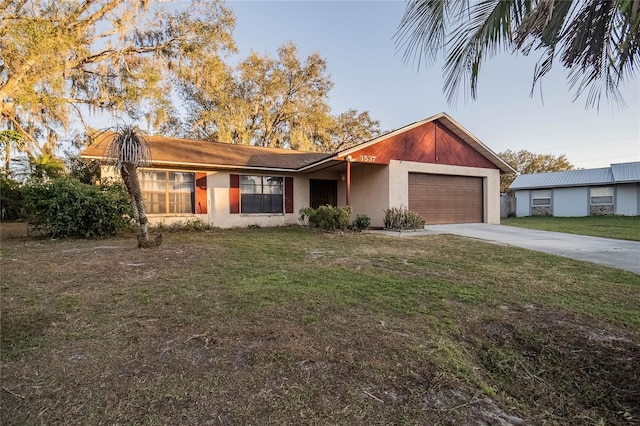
349 160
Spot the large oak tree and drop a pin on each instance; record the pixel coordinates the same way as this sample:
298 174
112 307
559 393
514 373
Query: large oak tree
274 102
61 59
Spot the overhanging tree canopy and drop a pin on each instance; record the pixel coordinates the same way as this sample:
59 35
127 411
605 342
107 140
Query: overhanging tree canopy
597 41
57 57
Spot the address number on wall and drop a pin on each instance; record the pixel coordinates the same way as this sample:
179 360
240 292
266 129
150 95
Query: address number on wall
367 158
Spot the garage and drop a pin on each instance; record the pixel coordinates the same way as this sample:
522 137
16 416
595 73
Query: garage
446 199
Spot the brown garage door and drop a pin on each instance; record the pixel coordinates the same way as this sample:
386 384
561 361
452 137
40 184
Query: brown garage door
446 199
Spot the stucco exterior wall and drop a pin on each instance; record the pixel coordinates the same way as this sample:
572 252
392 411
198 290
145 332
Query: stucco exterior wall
570 201
370 192
109 172
576 202
627 199
399 184
218 214
218 198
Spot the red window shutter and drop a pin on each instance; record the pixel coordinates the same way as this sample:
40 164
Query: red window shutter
201 193
234 194
288 195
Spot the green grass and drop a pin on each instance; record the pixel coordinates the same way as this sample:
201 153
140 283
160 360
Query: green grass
617 227
292 326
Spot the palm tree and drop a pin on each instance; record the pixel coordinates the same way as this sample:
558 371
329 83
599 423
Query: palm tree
128 150
597 41
45 167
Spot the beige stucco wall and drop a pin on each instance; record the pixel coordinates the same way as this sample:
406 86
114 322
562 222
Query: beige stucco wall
399 184
374 188
109 172
218 199
369 192
218 204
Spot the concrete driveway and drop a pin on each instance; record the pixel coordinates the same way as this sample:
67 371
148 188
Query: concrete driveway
604 251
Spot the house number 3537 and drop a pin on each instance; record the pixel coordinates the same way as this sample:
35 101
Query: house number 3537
368 158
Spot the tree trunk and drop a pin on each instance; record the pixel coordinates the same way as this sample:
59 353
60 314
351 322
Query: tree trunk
7 159
131 181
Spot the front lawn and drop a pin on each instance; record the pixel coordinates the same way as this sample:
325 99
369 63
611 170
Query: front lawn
292 326
618 227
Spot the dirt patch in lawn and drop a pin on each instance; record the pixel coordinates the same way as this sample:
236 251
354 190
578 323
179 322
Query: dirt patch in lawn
560 365
11 230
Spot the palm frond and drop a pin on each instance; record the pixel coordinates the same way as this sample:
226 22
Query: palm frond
488 31
422 31
542 26
594 57
597 41
129 146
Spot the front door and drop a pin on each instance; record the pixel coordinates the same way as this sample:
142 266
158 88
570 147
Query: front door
323 192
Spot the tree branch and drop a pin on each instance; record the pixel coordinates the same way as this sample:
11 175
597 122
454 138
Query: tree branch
5 7
122 52
96 16
14 79
21 130
79 11
86 101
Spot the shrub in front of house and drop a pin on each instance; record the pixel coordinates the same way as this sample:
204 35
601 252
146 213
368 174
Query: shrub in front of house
11 199
328 218
66 207
401 219
361 222
188 225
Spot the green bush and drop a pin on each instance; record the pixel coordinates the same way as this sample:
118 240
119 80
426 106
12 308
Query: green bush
188 225
86 171
361 222
66 207
401 218
328 218
11 199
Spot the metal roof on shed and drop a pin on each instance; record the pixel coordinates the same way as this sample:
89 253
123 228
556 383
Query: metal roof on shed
626 172
617 173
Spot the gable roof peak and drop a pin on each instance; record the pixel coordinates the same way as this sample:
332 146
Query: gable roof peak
452 125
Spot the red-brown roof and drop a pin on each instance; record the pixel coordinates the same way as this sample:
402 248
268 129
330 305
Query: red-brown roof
202 155
455 127
196 154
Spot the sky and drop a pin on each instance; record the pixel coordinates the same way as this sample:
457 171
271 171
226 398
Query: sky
368 72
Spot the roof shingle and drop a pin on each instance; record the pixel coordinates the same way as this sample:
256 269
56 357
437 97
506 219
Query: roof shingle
204 155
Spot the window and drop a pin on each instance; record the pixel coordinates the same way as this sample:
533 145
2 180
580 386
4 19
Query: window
541 198
602 196
167 192
261 194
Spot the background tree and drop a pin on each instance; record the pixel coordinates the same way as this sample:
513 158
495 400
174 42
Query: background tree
60 60
525 162
597 41
274 102
9 140
45 167
352 128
